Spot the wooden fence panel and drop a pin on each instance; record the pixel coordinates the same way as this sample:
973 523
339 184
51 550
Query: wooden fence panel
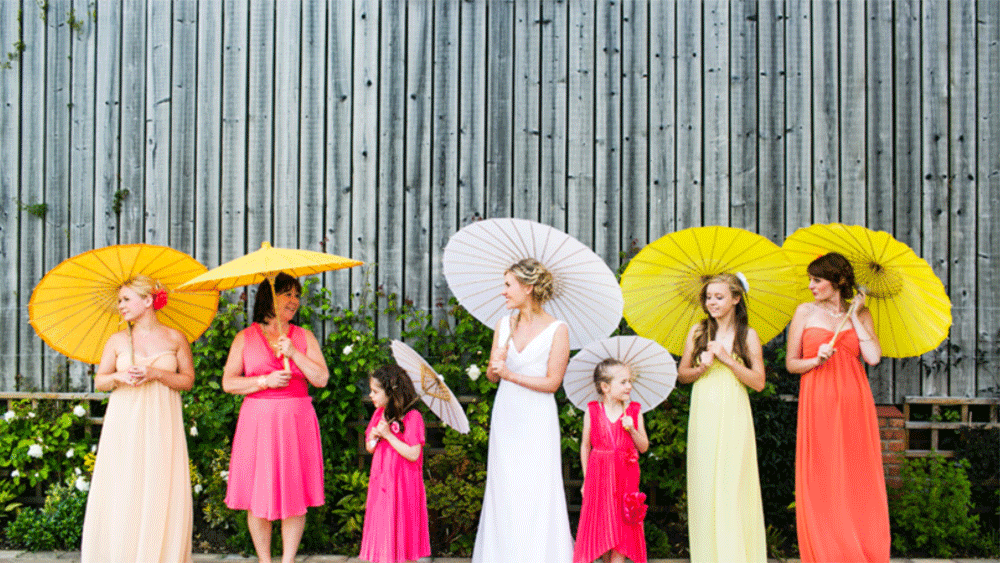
365 143
988 208
260 125
419 121
771 83
853 102
635 126
108 187
183 132
159 106
311 176
825 113
554 113
662 218
526 121
607 131
209 127
340 99
499 108
472 100
718 136
798 112
690 116
12 304
744 132
580 137
288 71
444 186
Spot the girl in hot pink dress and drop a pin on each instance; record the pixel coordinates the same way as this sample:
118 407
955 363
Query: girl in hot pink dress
613 436
276 470
396 512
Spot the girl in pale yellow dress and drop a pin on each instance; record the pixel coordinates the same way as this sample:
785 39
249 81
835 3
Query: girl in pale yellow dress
139 508
722 357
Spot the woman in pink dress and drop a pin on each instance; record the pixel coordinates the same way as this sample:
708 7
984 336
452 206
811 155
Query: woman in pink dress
841 510
396 511
613 436
276 469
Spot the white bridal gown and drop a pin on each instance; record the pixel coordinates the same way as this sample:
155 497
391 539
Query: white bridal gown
524 517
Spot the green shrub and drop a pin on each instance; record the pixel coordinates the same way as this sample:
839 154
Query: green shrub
57 525
930 514
42 443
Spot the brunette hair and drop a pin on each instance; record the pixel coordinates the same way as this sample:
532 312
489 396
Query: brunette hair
144 286
836 269
708 327
602 372
263 304
402 396
532 272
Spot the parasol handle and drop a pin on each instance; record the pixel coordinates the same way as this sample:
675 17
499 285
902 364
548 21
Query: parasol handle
274 309
840 327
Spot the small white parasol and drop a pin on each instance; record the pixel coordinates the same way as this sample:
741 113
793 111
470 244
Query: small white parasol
586 297
431 387
654 370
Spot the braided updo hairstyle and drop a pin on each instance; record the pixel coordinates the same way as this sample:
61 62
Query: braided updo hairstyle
144 286
531 272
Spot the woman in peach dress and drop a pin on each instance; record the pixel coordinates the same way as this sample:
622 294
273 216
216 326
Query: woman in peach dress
840 500
139 507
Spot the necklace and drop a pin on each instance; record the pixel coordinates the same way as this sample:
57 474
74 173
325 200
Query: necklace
831 313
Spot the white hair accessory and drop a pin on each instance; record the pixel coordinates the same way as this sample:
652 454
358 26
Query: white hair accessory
743 282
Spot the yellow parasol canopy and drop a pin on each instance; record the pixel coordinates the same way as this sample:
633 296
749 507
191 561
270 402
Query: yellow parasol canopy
266 263
74 308
662 283
911 310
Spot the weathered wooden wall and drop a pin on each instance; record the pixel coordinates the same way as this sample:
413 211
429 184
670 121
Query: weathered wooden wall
376 129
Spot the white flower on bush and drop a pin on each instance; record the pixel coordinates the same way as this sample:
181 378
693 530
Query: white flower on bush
82 484
79 411
15 473
348 349
473 372
93 448
34 450
69 453
193 431
77 471
31 414
197 488
225 475
9 416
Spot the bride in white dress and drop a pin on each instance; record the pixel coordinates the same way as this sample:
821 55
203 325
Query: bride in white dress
524 517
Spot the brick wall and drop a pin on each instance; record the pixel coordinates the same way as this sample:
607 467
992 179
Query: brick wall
890 425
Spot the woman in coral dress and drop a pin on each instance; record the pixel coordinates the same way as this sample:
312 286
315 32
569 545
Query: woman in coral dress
139 506
723 356
524 517
276 469
396 509
840 501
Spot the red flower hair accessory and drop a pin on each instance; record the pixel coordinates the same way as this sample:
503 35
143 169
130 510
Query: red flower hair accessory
635 507
159 300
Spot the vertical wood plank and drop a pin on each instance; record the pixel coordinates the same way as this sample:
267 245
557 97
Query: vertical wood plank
717 137
554 103
744 133
879 155
526 116
635 127
607 131
580 137
825 113
233 235
988 192
58 136
107 115
287 76
853 113
472 113
391 215
339 104
798 109
771 87
311 126
183 103
662 119
11 317
420 26
209 127
444 188
260 125
32 190
131 221
935 184
962 205
159 107
365 124
908 158
690 116
81 185
499 108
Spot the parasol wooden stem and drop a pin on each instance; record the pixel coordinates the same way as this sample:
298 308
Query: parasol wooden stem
274 309
840 327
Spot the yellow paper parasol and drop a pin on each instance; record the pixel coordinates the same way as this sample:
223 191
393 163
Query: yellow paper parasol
662 283
911 310
431 387
74 308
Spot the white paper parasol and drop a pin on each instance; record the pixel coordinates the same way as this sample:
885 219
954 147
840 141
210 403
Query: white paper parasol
586 294
654 370
431 387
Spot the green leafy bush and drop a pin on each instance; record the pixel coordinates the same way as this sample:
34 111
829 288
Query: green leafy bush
42 443
930 514
57 525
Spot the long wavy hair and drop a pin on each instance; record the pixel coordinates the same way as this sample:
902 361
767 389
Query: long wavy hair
402 396
708 327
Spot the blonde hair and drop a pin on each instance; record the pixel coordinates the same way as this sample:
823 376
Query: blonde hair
531 272
602 373
144 286
709 326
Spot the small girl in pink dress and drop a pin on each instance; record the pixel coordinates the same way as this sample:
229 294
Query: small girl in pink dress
396 511
613 436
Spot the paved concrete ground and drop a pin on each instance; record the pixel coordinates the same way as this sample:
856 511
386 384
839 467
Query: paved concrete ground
74 556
